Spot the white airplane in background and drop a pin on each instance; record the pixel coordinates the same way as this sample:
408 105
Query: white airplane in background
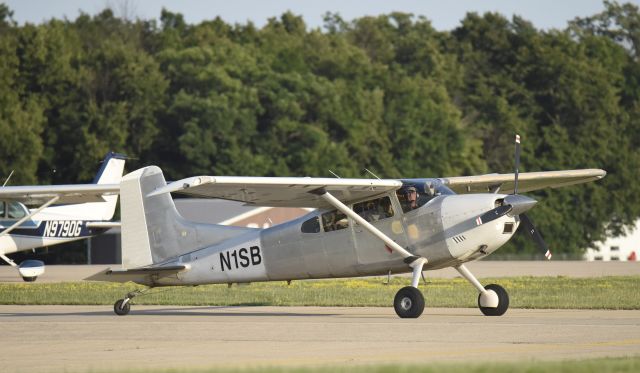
66 213
362 227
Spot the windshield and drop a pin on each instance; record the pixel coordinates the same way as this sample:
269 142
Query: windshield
415 193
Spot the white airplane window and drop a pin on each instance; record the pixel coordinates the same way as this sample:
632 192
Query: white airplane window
16 210
375 209
334 221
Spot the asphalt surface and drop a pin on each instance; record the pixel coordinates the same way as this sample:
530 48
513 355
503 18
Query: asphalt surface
84 338
482 269
93 338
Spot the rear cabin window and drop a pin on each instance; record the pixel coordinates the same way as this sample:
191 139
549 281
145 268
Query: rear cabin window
12 210
16 210
375 209
312 225
334 221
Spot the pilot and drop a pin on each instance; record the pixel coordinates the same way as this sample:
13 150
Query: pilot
411 198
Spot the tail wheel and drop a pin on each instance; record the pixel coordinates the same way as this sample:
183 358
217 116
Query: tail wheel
503 301
409 302
121 310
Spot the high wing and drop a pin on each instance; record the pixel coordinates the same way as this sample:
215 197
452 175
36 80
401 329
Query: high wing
78 193
527 181
299 191
279 191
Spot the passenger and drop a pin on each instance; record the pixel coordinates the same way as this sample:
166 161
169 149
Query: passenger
371 212
386 211
329 220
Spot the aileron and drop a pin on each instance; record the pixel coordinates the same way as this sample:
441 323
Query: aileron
528 181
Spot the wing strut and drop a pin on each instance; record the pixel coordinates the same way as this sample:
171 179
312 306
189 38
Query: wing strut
25 218
414 261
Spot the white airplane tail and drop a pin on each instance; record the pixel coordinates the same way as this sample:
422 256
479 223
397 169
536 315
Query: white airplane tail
153 231
109 173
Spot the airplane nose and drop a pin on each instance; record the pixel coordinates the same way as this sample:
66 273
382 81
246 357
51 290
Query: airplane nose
519 203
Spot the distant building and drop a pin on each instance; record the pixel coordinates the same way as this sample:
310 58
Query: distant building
623 248
105 249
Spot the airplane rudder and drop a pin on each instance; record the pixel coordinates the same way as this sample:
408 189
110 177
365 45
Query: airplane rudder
136 244
111 170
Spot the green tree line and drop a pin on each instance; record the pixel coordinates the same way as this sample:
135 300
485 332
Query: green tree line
388 93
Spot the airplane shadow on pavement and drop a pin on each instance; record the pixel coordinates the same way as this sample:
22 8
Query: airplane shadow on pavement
182 311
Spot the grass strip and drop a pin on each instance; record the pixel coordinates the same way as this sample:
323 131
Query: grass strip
524 292
605 365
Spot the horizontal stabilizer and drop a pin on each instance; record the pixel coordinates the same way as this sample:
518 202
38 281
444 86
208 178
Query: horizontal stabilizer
168 270
143 275
103 224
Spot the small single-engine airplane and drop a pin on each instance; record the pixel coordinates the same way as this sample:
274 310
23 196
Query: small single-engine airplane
82 211
362 227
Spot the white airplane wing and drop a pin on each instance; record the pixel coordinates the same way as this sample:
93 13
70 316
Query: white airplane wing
68 194
278 191
527 181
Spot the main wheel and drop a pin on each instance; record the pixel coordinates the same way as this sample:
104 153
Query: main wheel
121 310
409 302
503 301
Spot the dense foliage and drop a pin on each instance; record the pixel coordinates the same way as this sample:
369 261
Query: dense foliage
389 93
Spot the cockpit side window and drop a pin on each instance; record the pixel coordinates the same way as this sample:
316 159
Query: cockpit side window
15 210
375 209
2 209
334 220
408 197
312 225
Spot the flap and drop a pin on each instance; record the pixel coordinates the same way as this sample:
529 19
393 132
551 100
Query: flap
279 191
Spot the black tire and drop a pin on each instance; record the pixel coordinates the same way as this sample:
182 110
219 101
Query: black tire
503 301
119 309
409 303
30 278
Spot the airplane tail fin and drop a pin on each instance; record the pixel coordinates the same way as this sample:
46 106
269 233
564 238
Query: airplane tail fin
111 170
153 231
109 173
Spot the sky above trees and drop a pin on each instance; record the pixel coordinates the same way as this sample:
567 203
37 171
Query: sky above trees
444 15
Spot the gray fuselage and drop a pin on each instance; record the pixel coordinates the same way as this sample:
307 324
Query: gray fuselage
445 230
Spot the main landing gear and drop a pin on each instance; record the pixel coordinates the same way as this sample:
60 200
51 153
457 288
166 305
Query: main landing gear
409 301
493 300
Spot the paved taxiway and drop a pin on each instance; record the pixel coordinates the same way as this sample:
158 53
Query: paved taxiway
80 338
